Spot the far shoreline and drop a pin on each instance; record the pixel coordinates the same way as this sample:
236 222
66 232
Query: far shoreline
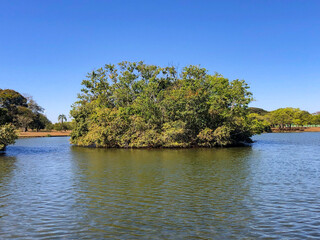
31 134
295 129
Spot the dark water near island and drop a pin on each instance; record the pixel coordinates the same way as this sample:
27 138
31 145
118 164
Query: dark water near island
51 190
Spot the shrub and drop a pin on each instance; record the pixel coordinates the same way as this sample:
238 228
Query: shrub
7 135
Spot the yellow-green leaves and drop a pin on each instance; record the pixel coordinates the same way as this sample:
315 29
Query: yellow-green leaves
140 105
7 135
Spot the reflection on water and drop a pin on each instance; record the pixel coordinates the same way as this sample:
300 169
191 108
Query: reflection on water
49 189
164 192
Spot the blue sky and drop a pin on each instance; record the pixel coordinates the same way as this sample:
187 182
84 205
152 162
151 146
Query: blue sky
47 47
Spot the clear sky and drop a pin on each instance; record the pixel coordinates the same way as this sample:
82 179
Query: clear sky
48 46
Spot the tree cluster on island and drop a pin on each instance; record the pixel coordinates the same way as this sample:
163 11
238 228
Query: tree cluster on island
134 105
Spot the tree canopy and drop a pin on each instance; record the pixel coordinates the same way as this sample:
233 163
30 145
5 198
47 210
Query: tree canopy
284 118
18 111
21 111
133 104
259 111
62 118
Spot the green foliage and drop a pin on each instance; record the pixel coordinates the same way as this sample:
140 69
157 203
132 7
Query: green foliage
206 137
222 136
40 121
24 117
10 100
21 111
262 121
61 126
4 116
62 118
139 105
286 117
259 123
316 119
258 111
7 135
174 134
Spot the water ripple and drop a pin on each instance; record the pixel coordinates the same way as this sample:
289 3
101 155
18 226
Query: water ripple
49 190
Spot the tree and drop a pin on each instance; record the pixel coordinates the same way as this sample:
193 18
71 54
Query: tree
9 97
62 118
302 118
286 117
22 111
316 119
283 117
40 121
33 105
140 105
24 117
11 100
17 111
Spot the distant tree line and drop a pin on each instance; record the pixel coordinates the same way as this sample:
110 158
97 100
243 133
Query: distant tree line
140 105
65 126
18 111
284 118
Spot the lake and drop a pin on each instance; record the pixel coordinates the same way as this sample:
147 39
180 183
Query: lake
51 190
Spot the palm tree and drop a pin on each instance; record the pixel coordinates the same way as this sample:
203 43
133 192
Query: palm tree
62 118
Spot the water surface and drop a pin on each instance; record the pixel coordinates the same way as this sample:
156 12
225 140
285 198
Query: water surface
51 190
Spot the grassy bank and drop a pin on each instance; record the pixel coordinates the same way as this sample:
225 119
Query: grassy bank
30 134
